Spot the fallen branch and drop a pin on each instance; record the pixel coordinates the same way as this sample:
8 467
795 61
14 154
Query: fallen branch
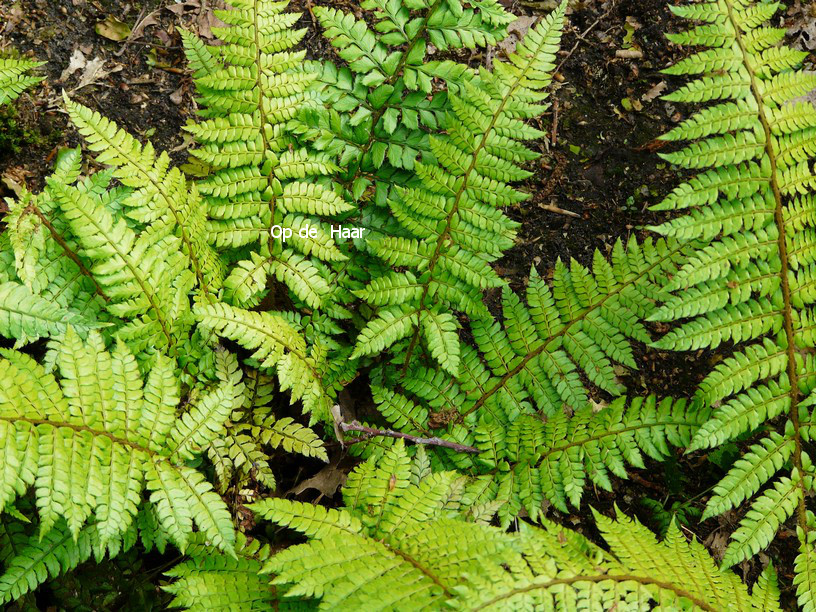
388 433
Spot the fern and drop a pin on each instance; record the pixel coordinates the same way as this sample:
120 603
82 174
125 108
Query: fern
401 542
450 214
44 284
749 280
381 105
15 77
530 461
277 345
160 197
512 397
252 87
111 254
240 453
90 444
212 581
41 557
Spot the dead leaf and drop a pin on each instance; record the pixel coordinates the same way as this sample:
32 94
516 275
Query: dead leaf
654 92
77 62
15 179
327 481
95 72
177 97
113 29
149 20
180 7
629 53
515 32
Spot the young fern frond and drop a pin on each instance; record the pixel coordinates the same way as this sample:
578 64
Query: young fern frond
277 346
15 77
113 255
402 543
749 280
452 214
252 87
145 276
91 443
240 454
161 196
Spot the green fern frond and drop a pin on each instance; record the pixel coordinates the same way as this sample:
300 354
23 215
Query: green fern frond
452 212
525 461
211 581
90 444
14 77
28 317
161 195
533 365
276 345
403 543
748 283
251 88
47 556
242 453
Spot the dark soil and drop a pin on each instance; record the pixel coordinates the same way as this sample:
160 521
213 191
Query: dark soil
600 164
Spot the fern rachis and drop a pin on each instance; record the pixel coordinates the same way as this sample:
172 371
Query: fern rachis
755 252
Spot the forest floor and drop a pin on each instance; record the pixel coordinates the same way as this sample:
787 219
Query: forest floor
595 182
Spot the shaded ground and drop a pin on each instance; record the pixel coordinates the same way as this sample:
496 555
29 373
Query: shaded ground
600 163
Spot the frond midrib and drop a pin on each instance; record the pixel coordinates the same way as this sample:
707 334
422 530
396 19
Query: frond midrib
785 268
602 577
83 428
568 326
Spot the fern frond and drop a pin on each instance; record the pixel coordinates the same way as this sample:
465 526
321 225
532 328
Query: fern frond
748 282
251 88
27 316
161 196
15 77
413 548
276 345
41 558
525 460
452 213
89 452
211 581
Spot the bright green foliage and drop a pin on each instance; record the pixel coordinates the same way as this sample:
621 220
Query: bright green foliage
252 87
280 346
402 542
211 581
451 213
531 367
530 461
161 196
382 104
130 255
15 77
42 288
749 280
32 560
240 454
90 444
27 316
